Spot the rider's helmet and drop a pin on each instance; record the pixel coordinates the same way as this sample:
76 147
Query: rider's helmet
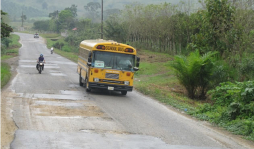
41 55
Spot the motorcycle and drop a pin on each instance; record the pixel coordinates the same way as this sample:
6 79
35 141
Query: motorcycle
51 51
40 66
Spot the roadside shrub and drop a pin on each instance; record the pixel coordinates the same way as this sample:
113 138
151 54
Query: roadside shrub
194 72
66 49
222 72
58 45
224 94
3 49
237 97
247 69
241 127
6 41
233 108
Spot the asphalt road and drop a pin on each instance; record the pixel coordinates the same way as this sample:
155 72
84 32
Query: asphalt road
51 111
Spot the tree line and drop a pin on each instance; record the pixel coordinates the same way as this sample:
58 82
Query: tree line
5 33
171 28
67 19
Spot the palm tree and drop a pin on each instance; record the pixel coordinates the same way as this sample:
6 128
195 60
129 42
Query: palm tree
194 72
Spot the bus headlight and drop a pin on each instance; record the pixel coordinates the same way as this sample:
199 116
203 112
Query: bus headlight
126 82
96 79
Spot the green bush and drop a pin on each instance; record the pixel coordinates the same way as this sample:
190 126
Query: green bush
66 49
233 108
58 45
6 41
241 127
237 97
247 69
222 72
3 49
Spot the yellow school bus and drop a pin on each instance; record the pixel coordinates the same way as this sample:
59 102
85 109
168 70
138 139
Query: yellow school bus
106 64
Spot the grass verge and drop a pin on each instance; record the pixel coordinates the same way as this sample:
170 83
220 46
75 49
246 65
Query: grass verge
15 42
65 51
5 74
10 52
157 80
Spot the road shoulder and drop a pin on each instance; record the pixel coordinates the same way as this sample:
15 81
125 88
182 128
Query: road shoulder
8 126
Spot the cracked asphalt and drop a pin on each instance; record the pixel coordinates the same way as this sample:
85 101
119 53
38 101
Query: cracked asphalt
51 111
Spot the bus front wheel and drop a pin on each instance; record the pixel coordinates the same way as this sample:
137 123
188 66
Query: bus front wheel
87 88
123 92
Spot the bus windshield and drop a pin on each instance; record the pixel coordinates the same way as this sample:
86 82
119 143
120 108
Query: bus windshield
110 60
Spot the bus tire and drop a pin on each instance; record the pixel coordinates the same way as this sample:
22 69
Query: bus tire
80 80
123 92
87 88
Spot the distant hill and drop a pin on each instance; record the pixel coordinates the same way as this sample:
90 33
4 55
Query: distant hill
15 10
41 8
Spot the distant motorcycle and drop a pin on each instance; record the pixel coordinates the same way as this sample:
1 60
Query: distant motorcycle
52 49
40 66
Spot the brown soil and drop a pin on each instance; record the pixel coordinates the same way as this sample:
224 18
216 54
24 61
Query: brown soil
144 57
14 46
84 111
12 54
8 126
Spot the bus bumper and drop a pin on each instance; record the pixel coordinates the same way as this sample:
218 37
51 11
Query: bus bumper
106 86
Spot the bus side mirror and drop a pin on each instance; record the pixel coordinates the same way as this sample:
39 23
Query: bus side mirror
138 59
89 64
89 59
137 64
135 69
90 54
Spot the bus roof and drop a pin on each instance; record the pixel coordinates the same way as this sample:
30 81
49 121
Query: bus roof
109 45
92 43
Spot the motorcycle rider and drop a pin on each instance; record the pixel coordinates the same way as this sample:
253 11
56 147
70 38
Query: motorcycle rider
40 59
52 50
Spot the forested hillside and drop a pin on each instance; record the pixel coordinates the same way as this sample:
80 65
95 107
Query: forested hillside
14 10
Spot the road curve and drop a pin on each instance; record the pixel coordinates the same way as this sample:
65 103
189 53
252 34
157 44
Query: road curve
51 110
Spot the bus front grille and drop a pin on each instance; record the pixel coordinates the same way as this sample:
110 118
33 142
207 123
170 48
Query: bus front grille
111 81
112 76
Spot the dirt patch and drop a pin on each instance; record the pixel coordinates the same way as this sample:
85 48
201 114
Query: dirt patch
65 108
12 54
14 46
151 58
8 127
46 110
13 62
108 131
